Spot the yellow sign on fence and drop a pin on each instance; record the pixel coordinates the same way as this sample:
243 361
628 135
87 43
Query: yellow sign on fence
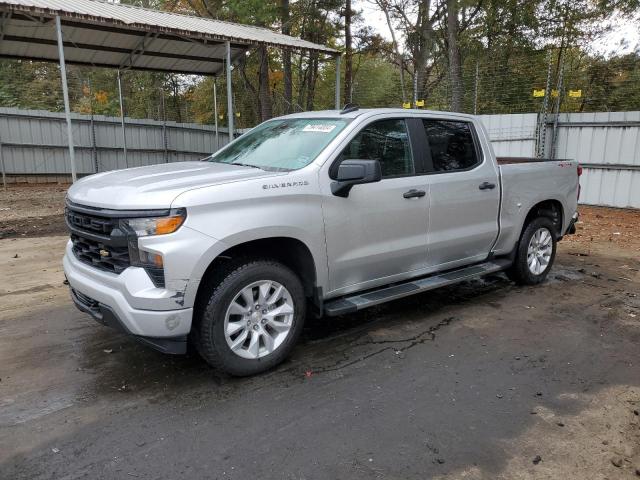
554 93
406 105
575 93
538 93
419 103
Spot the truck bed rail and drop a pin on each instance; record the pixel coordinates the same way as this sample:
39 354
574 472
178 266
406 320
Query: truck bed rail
510 160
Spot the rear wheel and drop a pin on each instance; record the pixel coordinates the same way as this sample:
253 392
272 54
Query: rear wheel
535 254
253 318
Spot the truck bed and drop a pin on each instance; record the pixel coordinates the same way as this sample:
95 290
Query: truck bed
527 181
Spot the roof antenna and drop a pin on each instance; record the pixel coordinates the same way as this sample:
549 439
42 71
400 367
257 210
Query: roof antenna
349 107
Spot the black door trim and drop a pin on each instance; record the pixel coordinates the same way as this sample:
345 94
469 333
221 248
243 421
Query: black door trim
419 146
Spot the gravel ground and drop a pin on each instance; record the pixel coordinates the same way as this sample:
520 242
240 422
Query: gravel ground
483 380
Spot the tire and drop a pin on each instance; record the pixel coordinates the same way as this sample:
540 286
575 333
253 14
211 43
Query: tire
521 271
227 317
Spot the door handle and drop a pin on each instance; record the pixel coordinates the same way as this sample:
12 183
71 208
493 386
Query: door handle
413 193
487 186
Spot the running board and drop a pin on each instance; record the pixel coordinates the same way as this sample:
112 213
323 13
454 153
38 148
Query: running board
359 301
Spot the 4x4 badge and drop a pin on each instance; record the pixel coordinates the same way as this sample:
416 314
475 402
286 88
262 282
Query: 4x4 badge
104 253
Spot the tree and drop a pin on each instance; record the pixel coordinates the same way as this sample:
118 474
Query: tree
436 46
348 54
285 17
453 49
399 58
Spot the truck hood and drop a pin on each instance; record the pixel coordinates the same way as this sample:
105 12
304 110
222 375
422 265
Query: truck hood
155 186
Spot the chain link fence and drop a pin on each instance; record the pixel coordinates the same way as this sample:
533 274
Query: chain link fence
544 82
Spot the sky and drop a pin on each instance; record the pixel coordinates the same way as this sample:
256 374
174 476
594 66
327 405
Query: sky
624 37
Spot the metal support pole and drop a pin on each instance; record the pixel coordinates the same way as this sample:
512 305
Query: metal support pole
124 131
229 92
165 141
215 111
94 148
92 125
554 138
475 93
4 178
337 82
65 95
542 117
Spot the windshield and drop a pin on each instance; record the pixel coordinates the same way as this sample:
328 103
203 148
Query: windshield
281 145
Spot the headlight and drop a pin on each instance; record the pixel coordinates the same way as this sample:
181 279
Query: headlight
155 225
135 228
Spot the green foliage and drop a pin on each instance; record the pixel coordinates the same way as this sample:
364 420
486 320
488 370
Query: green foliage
506 49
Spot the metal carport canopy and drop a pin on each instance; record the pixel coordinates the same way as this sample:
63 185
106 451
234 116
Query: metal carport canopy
122 36
113 35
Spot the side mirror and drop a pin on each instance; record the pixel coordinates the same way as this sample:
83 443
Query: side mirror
355 172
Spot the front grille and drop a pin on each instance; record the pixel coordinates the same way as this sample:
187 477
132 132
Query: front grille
91 223
97 239
99 255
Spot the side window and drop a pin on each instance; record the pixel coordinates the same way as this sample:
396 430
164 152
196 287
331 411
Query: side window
451 144
386 141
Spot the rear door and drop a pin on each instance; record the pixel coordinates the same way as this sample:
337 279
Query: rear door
464 194
379 232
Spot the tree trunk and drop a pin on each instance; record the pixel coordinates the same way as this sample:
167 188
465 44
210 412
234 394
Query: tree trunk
455 69
286 59
348 58
313 78
396 50
424 27
264 94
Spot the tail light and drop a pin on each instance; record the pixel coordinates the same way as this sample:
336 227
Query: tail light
579 175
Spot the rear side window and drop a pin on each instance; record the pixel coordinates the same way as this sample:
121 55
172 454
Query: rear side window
386 141
451 144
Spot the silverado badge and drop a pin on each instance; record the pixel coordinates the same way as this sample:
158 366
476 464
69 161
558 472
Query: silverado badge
104 253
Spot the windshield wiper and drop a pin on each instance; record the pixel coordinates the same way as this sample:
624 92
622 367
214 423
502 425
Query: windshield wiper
245 165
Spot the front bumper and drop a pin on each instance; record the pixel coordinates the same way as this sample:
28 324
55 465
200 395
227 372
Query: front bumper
106 316
116 300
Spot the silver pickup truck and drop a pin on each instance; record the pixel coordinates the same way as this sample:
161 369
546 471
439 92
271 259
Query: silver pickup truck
321 213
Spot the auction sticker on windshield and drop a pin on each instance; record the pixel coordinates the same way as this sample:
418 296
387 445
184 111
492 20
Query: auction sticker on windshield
319 127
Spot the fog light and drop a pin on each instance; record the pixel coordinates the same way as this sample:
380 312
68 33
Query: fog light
172 322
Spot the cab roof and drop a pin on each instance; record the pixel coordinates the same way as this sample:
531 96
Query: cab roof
368 112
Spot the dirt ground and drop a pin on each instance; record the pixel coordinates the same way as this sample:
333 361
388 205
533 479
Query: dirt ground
32 210
483 380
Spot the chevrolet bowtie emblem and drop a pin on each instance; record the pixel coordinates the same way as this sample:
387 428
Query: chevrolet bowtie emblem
104 253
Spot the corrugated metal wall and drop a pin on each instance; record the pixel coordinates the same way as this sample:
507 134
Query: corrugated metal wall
607 144
512 135
35 142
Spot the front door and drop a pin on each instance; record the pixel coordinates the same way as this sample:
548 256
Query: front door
379 232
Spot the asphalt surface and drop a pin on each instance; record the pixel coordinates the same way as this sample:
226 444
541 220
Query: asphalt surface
480 380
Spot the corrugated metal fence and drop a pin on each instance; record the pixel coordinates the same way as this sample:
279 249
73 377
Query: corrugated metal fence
35 142
607 144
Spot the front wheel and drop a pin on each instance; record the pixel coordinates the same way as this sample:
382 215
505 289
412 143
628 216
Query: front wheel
535 254
253 319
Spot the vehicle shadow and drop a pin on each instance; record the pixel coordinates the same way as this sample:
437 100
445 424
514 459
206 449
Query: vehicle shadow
121 365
